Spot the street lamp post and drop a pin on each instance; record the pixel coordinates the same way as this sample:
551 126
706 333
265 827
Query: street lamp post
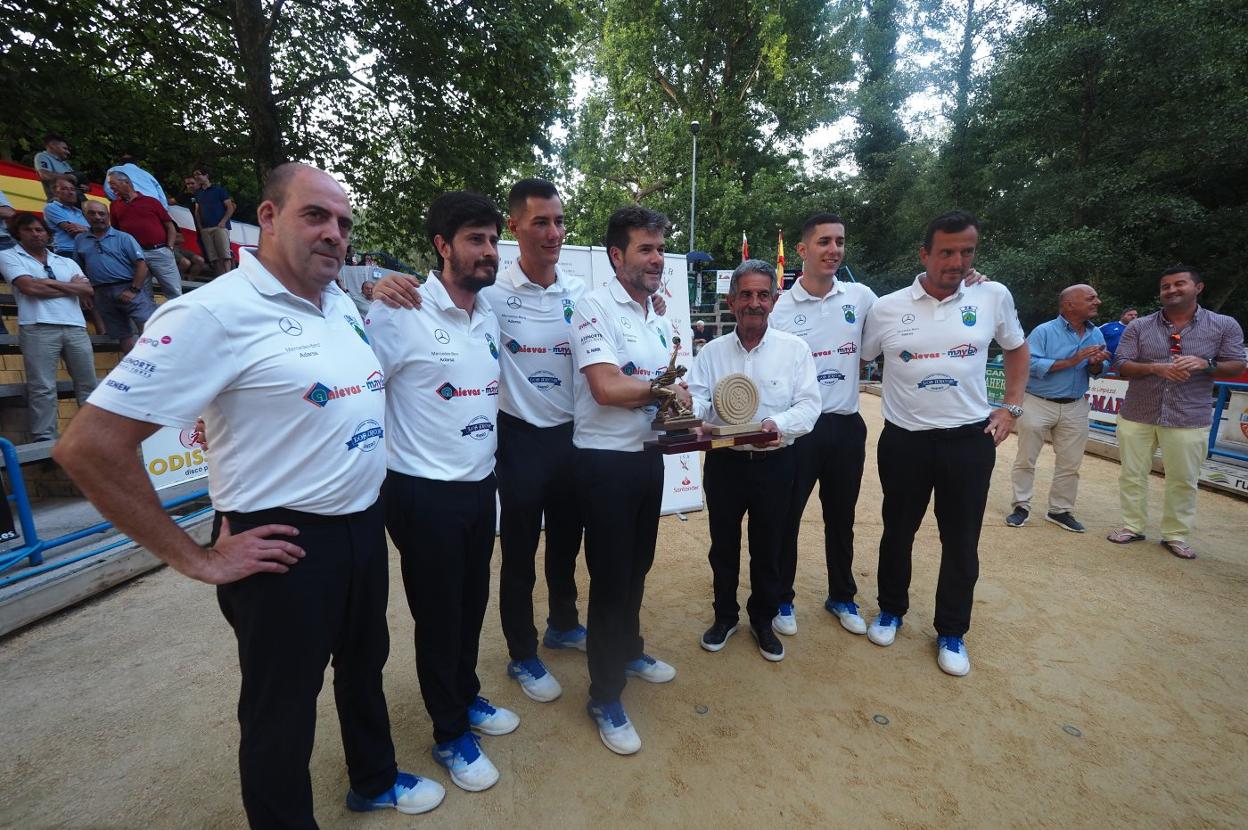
694 126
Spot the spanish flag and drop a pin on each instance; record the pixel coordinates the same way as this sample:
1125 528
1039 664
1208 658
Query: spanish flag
745 247
780 265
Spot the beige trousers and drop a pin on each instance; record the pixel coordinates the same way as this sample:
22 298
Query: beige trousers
1182 451
1066 425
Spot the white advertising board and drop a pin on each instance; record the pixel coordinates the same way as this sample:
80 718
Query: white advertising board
682 476
173 456
1105 396
1235 430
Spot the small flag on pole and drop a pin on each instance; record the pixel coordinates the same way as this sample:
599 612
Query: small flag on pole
745 247
780 265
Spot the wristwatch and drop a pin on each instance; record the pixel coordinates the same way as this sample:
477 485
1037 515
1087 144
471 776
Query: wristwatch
1013 409
1210 367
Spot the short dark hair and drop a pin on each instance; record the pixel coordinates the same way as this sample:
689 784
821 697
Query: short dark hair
199 168
950 222
1180 268
818 219
23 218
49 137
627 219
65 177
523 189
277 183
459 208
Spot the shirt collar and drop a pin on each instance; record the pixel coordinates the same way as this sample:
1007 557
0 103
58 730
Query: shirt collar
1196 318
515 275
736 338
801 293
616 288
263 280
434 290
918 292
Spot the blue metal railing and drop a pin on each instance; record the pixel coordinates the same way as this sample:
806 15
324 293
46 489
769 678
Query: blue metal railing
33 547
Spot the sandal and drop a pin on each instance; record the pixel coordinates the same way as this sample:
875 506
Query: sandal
1179 549
1124 536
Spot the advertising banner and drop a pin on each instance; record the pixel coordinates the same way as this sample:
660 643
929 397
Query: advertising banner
1105 396
173 456
1235 430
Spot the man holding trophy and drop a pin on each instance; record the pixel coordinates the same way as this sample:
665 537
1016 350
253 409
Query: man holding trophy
765 376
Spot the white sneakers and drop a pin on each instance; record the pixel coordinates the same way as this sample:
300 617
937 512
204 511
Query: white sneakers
847 613
491 720
951 656
535 679
785 621
883 630
614 727
650 669
467 764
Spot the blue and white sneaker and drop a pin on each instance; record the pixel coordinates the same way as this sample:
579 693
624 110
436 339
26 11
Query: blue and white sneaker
847 613
491 720
535 679
883 631
467 764
785 621
572 638
951 656
649 669
410 794
614 727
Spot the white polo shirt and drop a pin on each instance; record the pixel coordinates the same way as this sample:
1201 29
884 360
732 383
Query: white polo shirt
442 385
782 369
612 328
291 395
832 326
537 369
60 311
935 351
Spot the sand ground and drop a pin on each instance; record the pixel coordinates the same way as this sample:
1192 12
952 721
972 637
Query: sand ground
120 713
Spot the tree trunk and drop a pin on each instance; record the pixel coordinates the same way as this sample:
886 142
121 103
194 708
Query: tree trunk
253 30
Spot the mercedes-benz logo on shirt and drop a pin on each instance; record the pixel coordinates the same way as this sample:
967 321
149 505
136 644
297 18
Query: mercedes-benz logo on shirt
800 319
907 319
513 302
290 326
624 322
441 336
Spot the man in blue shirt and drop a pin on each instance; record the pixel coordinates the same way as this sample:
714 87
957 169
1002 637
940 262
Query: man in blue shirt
63 215
115 264
213 209
1112 332
1064 351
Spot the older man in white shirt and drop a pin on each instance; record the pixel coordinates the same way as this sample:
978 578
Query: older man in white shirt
747 479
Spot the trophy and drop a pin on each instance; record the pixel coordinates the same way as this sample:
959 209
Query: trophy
675 420
736 403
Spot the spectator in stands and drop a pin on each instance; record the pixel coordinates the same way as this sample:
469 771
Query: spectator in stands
117 268
1112 332
6 213
143 181
63 215
47 288
352 259
213 209
147 221
190 264
52 163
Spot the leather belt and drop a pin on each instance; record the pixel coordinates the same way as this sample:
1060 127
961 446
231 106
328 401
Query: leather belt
154 247
1059 400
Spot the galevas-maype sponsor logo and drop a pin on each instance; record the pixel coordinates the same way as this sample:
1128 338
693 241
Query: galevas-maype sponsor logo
318 394
847 348
964 350
563 348
447 391
515 347
479 428
376 382
491 388
906 356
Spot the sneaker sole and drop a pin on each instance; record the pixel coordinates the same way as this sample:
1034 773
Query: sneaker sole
878 643
640 676
1065 527
466 788
782 632
415 811
768 656
531 696
495 732
358 807
722 643
1008 523
953 673
850 627
616 750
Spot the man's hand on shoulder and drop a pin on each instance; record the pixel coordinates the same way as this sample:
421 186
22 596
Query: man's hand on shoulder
660 304
975 278
398 291
233 558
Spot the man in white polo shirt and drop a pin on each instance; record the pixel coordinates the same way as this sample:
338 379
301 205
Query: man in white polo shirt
940 434
828 314
441 368
274 358
746 479
621 344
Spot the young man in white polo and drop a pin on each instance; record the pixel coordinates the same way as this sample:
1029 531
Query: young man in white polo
940 434
300 554
441 370
621 344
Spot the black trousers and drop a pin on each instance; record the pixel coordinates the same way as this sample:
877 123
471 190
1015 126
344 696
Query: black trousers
535 476
444 531
833 453
331 605
956 464
620 494
758 483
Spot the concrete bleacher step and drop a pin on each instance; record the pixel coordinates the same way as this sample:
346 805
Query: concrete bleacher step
30 453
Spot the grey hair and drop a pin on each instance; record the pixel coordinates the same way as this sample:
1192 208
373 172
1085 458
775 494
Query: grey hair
117 174
752 266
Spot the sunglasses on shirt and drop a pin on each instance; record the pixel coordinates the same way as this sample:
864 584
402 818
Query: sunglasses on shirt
1176 343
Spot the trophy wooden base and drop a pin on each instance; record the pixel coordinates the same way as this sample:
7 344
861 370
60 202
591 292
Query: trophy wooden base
736 429
693 443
